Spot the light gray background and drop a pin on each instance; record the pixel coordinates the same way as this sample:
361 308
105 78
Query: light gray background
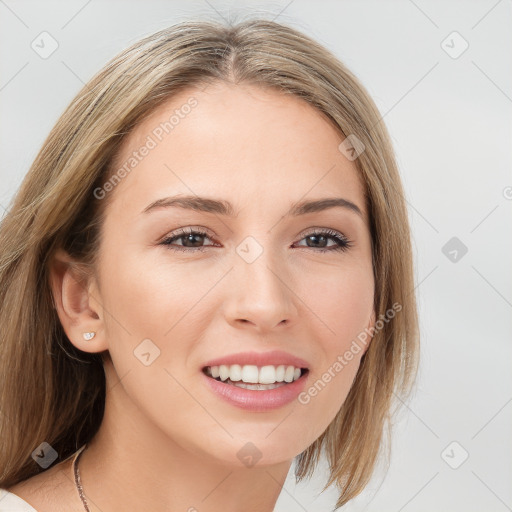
450 121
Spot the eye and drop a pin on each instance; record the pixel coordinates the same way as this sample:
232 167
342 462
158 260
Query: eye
192 239
320 238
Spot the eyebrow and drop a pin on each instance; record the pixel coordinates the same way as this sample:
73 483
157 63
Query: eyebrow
221 207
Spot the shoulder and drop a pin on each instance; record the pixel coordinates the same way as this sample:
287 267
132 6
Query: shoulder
10 502
52 490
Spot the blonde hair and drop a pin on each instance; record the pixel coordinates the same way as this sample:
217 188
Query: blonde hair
49 390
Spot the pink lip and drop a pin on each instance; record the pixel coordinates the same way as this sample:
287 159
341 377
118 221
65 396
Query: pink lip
254 400
275 357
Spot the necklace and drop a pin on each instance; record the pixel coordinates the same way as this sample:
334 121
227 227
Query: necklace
78 483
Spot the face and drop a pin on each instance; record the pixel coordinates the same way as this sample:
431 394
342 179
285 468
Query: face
179 287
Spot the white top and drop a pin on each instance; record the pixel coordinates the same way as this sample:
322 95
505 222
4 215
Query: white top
10 502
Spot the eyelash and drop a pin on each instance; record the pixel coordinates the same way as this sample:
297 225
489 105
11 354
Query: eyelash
343 243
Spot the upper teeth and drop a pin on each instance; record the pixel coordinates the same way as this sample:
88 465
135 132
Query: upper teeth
254 374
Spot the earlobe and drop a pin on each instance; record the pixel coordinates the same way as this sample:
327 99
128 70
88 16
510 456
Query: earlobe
70 286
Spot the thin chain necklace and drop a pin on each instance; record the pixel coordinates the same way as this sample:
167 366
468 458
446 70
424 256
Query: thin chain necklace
78 482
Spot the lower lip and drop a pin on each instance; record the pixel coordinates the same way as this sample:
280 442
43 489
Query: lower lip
254 400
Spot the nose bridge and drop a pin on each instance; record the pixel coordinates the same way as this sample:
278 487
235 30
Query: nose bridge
260 293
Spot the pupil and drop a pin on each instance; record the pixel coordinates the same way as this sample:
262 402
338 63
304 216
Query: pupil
190 238
316 237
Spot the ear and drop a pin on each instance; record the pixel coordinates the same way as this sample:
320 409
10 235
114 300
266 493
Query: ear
76 300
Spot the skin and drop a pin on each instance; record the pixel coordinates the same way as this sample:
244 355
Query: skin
166 441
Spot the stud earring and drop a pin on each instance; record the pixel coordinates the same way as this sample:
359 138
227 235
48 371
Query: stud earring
89 335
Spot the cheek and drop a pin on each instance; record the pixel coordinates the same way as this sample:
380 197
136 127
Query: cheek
167 304
343 306
342 302
147 295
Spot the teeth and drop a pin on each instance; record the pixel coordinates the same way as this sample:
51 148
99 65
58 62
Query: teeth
252 374
235 372
257 387
224 372
249 374
267 375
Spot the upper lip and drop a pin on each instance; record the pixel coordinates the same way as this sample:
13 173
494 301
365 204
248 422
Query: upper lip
275 357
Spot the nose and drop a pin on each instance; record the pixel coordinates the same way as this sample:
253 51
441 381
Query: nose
260 296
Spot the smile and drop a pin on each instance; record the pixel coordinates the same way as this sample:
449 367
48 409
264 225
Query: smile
255 388
255 377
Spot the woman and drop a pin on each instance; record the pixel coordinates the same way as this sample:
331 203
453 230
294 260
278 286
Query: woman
205 275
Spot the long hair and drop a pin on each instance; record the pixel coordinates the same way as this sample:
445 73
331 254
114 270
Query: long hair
52 392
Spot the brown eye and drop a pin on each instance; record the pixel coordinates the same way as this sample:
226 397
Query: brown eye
192 239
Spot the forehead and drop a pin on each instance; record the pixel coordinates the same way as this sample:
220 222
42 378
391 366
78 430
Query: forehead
240 141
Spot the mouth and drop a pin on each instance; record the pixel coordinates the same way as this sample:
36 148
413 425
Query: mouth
258 378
